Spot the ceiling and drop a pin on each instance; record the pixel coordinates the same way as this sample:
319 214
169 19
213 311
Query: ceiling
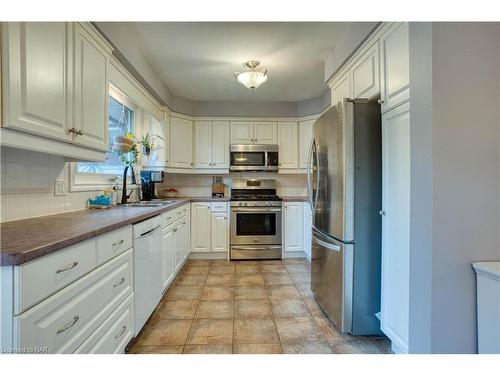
197 60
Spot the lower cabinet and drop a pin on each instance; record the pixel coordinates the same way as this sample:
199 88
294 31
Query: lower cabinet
220 232
293 227
168 255
209 227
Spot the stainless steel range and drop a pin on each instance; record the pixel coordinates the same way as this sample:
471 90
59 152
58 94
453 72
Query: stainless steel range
256 215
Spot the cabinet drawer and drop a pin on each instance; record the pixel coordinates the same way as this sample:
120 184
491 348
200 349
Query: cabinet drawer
218 206
40 278
111 244
168 218
63 321
113 335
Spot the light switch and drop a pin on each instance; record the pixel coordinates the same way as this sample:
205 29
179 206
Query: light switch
59 187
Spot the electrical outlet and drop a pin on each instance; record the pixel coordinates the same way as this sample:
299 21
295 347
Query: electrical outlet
59 187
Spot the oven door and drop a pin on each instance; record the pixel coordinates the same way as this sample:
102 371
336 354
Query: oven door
256 226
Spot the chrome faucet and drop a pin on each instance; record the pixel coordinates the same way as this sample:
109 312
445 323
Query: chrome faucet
126 196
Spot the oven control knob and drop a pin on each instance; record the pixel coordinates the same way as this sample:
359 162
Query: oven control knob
240 204
245 204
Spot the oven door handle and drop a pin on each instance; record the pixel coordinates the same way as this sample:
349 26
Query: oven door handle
253 209
243 247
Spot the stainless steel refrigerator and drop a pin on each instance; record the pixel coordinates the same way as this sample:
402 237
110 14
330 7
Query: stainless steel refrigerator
345 193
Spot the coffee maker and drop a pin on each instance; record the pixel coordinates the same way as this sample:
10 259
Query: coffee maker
148 180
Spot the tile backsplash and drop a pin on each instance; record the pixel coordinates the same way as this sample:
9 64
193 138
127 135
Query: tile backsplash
27 185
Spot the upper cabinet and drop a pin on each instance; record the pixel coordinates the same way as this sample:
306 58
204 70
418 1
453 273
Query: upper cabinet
305 138
90 90
366 75
395 62
341 88
36 72
211 144
247 132
181 143
54 86
288 145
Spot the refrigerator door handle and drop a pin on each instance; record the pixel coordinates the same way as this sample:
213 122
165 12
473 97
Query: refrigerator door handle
326 245
317 176
309 173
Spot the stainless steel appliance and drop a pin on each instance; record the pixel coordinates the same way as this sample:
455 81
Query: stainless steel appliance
254 158
256 215
344 184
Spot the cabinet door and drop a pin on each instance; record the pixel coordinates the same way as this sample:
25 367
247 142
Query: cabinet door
220 232
395 224
265 133
90 91
185 238
220 144
181 143
241 132
395 63
178 246
168 255
341 88
200 227
307 228
366 74
293 227
288 145
203 144
37 78
305 138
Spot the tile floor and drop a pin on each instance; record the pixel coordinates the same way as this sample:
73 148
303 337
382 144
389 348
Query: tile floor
246 307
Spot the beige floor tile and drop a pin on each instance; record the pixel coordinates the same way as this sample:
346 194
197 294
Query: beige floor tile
250 292
297 268
207 349
305 290
222 270
332 334
227 280
184 292
201 270
356 347
215 309
252 308
384 344
272 261
157 349
257 349
243 269
244 280
316 347
222 262
217 292
178 309
211 331
298 330
282 291
289 307
313 306
255 331
274 268
247 262
277 279
301 278
190 280
296 261
165 332
199 262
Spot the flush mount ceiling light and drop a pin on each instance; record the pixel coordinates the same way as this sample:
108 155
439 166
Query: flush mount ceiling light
252 78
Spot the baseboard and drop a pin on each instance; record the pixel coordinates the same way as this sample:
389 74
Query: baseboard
294 254
208 256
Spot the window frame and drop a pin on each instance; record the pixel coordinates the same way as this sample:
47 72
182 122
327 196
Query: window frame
84 181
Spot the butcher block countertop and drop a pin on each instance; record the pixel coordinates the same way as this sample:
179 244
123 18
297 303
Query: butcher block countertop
25 240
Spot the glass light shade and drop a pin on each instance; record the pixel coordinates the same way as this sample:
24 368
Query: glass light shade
252 79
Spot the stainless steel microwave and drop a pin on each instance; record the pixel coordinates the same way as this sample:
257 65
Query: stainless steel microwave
254 158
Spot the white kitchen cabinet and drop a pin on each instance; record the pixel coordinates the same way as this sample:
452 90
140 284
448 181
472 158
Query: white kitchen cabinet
395 64
219 232
37 78
307 229
185 238
90 93
211 145
168 255
305 138
341 88
241 132
178 253
366 74
288 145
200 227
181 143
265 133
293 227
396 225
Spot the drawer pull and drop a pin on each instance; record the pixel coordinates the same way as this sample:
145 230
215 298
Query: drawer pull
124 328
168 218
118 242
69 325
67 268
119 282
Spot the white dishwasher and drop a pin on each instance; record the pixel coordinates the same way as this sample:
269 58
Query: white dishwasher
147 269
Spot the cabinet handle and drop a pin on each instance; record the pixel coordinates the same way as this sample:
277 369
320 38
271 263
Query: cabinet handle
380 101
119 283
124 328
225 217
191 164
72 130
67 268
175 229
69 325
79 132
118 242
381 213
168 218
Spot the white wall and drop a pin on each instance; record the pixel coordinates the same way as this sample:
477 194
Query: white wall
455 147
